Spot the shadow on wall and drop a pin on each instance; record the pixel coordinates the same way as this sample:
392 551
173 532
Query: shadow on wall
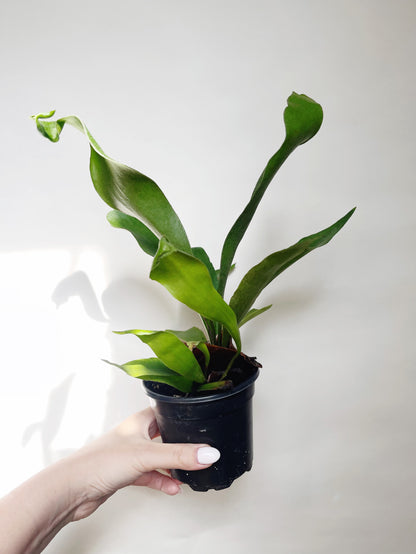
121 304
48 428
78 284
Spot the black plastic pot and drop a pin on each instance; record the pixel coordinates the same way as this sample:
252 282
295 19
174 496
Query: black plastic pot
222 420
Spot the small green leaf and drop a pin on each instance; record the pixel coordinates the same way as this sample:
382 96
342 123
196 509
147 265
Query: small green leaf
122 187
253 313
146 239
205 352
263 273
194 338
303 117
171 351
216 385
152 369
194 334
189 281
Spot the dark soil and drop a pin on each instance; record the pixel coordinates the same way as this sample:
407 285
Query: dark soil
242 369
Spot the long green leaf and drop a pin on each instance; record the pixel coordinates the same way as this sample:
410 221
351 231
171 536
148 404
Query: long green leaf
303 118
263 273
251 314
122 187
199 252
147 240
171 351
152 369
189 281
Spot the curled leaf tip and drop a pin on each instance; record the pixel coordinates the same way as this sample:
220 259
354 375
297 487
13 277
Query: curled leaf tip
43 115
303 118
49 129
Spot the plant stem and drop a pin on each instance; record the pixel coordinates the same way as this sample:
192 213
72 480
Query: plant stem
210 327
225 339
230 363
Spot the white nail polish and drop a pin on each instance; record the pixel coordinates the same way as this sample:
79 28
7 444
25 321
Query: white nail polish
208 455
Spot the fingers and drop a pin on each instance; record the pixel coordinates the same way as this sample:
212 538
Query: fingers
160 482
153 455
190 457
148 423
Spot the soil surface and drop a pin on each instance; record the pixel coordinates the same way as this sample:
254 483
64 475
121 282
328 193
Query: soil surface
242 369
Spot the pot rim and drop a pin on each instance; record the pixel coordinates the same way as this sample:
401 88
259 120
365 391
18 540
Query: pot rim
200 399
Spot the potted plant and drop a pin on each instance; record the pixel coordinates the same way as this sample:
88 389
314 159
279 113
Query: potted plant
200 380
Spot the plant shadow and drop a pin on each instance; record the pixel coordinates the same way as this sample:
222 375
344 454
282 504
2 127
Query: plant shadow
48 428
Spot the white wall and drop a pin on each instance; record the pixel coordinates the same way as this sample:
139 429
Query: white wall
191 93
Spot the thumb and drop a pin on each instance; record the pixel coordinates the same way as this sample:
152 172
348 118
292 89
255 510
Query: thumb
177 456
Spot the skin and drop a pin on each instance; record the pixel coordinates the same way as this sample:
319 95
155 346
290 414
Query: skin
74 487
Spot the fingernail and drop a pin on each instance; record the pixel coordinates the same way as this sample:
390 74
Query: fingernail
208 455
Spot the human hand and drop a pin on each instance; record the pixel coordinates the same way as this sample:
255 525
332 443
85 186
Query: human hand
128 456
74 487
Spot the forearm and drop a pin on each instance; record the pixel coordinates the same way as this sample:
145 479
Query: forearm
32 514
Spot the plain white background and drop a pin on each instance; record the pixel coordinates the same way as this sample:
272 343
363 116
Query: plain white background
192 94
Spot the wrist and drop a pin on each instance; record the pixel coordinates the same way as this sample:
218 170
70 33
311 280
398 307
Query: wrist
86 488
33 513
68 487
